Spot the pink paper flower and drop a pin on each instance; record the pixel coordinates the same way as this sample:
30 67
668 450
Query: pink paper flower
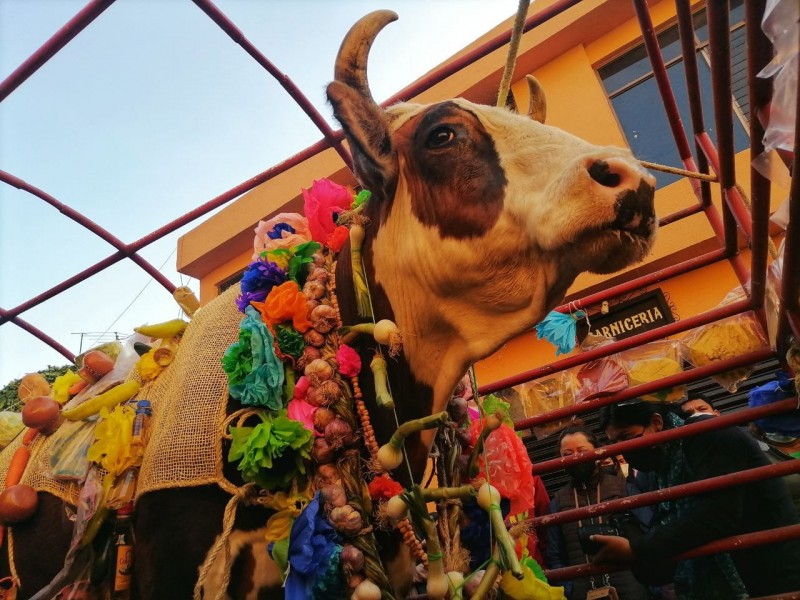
285 230
302 411
322 201
349 361
301 387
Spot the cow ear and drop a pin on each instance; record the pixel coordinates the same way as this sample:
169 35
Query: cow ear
537 106
367 131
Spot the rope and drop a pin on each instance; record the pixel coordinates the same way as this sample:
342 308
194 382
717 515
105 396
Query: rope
513 49
677 171
221 544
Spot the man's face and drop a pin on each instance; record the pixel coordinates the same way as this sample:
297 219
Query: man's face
698 407
630 432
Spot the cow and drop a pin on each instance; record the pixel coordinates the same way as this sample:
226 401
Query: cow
480 220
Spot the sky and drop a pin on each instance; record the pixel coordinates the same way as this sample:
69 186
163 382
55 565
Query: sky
153 110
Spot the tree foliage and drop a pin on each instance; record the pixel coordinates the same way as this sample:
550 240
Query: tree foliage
8 395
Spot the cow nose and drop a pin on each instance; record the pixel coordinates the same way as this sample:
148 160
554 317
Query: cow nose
631 188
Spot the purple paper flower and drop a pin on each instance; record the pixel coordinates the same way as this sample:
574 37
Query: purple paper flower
244 299
262 276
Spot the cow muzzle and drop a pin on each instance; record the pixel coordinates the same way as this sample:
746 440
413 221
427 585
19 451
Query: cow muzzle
631 191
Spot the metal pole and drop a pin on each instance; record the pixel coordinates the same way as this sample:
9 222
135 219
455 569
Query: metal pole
668 435
39 334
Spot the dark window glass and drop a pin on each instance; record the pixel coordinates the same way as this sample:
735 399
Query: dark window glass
637 103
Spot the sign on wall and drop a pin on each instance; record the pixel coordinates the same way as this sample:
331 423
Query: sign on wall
629 318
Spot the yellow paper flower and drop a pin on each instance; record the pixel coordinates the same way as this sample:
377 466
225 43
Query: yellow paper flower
530 588
289 506
112 447
62 383
147 366
279 258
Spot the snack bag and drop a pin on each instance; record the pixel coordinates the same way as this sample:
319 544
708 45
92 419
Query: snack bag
601 377
543 395
10 425
68 460
652 362
724 339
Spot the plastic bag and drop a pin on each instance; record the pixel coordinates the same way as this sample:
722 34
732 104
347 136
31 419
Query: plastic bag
772 297
601 377
10 425
543 395
782 387
652 362
68 460
725 339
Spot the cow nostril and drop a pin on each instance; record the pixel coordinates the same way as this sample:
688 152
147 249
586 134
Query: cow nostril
602 174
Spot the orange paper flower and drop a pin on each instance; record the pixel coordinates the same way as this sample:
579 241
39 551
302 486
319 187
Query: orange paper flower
285 303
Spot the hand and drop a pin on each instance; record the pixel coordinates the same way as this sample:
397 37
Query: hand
615 549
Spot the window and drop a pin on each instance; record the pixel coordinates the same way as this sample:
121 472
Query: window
228 282
634 95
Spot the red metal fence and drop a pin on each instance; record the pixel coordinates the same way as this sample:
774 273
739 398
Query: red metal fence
734 220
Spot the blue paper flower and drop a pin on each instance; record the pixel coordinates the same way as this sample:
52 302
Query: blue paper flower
312 546
560 330
261 276
276 233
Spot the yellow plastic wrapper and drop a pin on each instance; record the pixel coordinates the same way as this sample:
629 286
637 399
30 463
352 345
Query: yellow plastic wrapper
62 384
543 395
529 588
112 447
10 426
652 362
722 340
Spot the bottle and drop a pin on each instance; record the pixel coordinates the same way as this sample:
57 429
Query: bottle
121 564
141 425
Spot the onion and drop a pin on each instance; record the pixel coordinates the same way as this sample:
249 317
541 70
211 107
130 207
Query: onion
488 496
312 337
318 274
328 392
18 503
458 410
334 495
327 474
389 456
339 433
396 508
352 559
323 416
309 354
318 370
366 590
314 290
354 580
323 452
319 259
386 332
346 519
323 318
464 437
471 585
42 413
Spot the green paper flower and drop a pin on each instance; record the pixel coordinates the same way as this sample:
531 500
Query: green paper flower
272 453
290 341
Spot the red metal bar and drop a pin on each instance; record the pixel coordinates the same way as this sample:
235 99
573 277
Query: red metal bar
334 139
714 314
680 214
732 195
729 544
789 320
168 228
719 50
741 416
96 229
476 54
38 333
787 467
759 89
686 29
643 389
662 79
644 281
60 39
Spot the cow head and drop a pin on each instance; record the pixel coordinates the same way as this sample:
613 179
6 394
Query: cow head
481 218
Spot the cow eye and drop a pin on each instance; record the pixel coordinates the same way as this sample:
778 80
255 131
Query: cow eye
440 137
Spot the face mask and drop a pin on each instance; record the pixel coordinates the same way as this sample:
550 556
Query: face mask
581 473
645 459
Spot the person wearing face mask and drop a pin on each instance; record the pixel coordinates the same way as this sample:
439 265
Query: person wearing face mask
588 484
690 522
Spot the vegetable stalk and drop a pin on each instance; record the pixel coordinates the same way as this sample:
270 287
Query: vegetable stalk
491 423
448 493
390 455
489 500
382 394
438 583
363 304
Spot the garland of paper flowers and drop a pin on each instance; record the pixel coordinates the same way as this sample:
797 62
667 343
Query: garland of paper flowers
293 370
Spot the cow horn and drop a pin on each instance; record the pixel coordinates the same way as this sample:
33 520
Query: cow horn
537 106
351 62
